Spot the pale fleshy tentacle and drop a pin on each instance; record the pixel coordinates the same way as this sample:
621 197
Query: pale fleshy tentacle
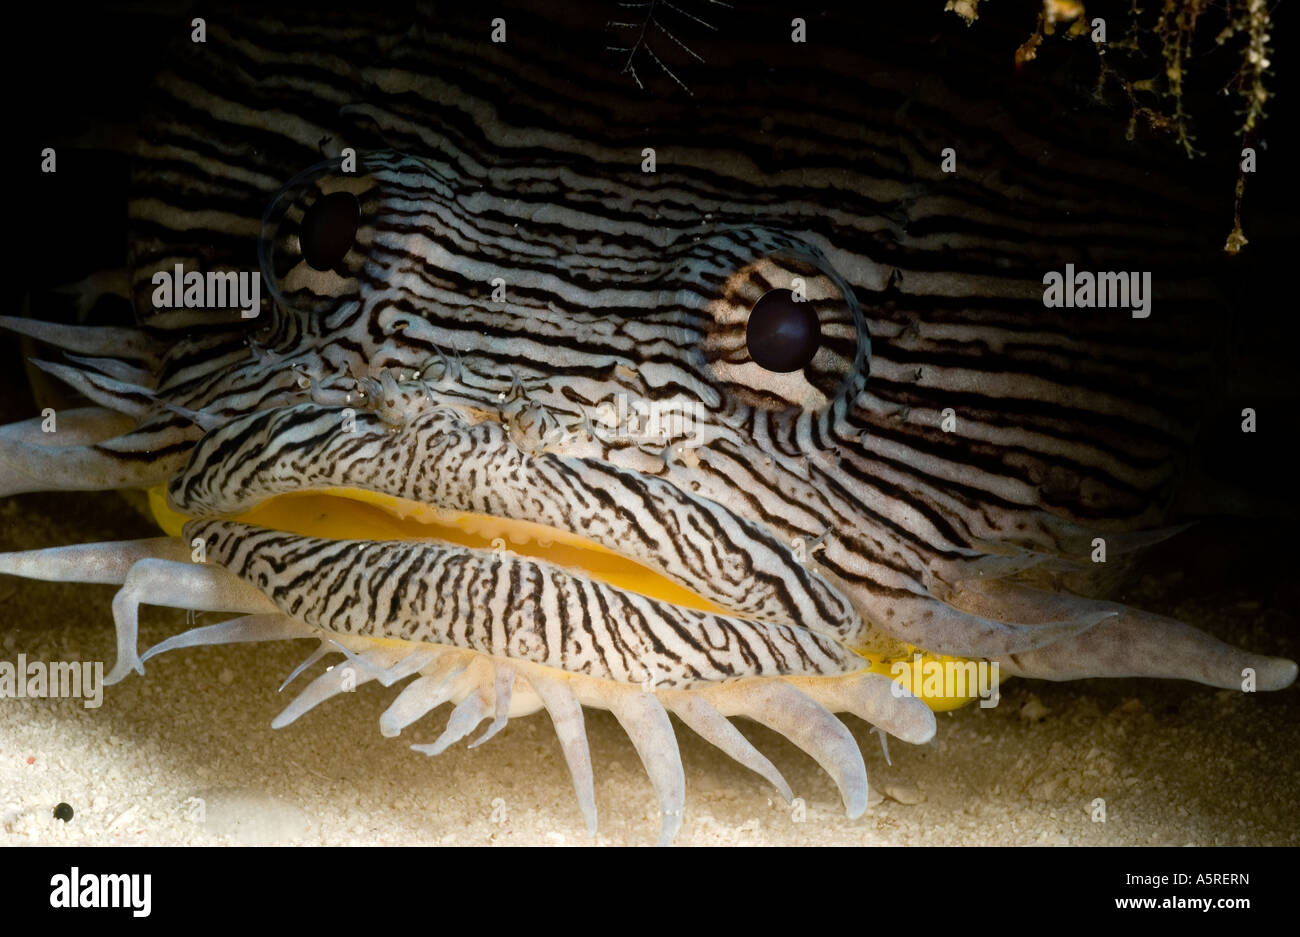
204 421
1025 605
717 729
879 700
927 622
403 668
480 686
412 663
79 426
884 743
108 562
115 368
468 713
1132 643
155 571
646 723
985 561
323 649
807 724
503 685
417 698
566 713
105 341
1142 644
423 694
134 401
121 462
181 585
249 629
336 680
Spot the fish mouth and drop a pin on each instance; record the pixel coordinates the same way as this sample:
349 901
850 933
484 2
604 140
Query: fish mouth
296 499
344 514
441 475
691 592
339 513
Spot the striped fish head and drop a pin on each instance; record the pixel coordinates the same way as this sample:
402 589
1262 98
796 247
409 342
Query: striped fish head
486 369
767 432
438 352
528 300
682 413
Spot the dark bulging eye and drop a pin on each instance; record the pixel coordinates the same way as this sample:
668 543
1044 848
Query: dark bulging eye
782 335
329 229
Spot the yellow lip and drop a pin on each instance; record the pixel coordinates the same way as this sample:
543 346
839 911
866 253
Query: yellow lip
357 514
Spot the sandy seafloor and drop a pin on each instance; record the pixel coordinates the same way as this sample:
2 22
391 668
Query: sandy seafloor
1175 763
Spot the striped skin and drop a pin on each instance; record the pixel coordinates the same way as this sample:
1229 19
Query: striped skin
827 512
506 606
438 459
806 456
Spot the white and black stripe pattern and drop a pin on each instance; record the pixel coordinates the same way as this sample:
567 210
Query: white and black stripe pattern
627 284
828 511
509 606
439 459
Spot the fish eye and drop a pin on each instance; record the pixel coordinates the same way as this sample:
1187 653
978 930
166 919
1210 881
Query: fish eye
781 328
329 229
783 333
316 236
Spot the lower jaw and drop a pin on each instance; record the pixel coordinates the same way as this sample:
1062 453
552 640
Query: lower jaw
943 683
